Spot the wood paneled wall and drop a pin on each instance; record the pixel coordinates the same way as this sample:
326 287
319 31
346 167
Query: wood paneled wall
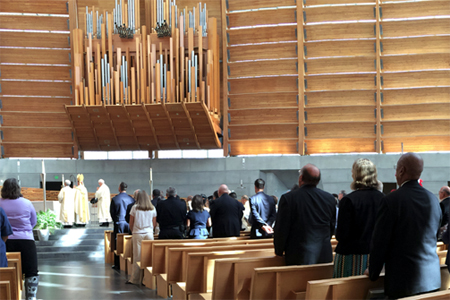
339 76
35 79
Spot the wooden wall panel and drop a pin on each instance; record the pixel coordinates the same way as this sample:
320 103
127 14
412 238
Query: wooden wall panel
339 31
36 150
36 72
27 39
340 98
263 116
425 44
24 104
341 130
255 132
416 79
258 35
259 17
340 48
417 144
438 61
36 135
35 119
340 65
340 82
416 9
340 114
415 28
340 145
35 23
35 6
35 56
338 13
263 68
33 88
262 51
324 2
416 128
254 101
428 111
234 5
263 85
255 147
416 96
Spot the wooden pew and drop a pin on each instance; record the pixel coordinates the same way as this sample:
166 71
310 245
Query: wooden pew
232 276
441 295
5 290
147 255
201 267
120 247
10 274
16 259
109 255
286 282
356 287
441 246
127 253
442 256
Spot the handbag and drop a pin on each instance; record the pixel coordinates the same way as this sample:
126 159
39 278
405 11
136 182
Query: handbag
94 200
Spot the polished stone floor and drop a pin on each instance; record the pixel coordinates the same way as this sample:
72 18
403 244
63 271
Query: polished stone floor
85 280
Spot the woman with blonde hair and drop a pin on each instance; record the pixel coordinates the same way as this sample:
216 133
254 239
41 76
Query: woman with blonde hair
356 220
142 223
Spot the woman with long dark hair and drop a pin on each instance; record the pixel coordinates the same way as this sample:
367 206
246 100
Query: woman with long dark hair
22 216
198 219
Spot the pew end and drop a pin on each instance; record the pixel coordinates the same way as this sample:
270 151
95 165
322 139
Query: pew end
149 280
163 286
5 290
10 274
129 265
179 291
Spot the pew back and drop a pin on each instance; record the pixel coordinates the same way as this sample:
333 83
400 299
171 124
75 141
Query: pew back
16 256
177 258
120 242
441 295
232 276
10 274
109 255
201 266
286 282
5 290
147 247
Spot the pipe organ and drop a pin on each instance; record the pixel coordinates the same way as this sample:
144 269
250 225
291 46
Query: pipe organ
166 73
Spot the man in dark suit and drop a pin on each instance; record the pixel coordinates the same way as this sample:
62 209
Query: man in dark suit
446 240
156 197
262 212
171 216
118 210
305 222
404 237
444 197
226 214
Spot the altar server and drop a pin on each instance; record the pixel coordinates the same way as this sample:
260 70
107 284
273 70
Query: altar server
104 201
67 197
81 201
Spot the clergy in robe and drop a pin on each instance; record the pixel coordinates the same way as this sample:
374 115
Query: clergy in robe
104 201
81 201
67 197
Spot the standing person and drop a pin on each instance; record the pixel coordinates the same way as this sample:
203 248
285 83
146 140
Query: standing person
104 200
142 222
444 197
118 211
156 197
358 211
5 231
226 214
81 201
404 238
129 207
198 219
262 212
22 217
171 216
305 222
67 198
245 224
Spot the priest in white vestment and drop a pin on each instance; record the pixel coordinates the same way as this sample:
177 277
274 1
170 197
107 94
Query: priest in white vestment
81 201
67 197
104 201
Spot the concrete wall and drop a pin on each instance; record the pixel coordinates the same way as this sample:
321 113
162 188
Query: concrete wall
191 176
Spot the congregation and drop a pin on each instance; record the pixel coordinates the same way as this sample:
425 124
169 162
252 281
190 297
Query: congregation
395 233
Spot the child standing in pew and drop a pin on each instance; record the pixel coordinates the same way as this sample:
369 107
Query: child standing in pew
142 222
198 219
5 230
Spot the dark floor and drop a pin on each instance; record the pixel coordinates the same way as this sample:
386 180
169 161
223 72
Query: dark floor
84 280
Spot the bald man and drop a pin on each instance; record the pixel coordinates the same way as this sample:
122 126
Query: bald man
305 222
405 235
444 197
226 214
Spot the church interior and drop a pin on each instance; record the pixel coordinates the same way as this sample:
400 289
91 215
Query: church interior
197 94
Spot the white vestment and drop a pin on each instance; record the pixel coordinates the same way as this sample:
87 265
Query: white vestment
67 197
82 204
104 201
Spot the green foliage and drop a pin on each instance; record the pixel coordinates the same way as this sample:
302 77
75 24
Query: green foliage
47 220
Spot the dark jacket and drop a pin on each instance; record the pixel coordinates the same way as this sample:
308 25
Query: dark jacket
118 207
226 214
446 240
404 240
155 201
127 215
305 223
262 212
445 208
356 219
171 214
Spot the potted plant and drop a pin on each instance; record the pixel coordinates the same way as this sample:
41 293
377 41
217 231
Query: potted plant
46 224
